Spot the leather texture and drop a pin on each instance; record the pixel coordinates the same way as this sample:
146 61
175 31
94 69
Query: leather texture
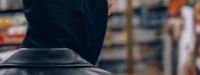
47 62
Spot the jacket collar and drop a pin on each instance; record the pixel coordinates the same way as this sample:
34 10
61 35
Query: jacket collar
45 57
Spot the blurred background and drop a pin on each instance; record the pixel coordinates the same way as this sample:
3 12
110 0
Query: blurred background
157 30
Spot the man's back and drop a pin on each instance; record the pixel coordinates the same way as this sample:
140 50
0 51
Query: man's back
73 27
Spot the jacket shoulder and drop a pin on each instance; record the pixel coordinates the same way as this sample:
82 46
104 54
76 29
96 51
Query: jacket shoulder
54 71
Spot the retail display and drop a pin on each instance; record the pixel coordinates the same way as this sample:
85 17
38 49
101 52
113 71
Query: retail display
175 5
119 6
12 24
13 27
147 48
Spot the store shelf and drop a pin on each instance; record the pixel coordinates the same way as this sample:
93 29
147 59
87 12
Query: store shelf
115 29
10 44
157 41
154 42
120 59
121 28
158 8
10 11
139 9
112 60
114 45
150 26
117 14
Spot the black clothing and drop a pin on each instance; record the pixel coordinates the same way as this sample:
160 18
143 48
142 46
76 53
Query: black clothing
76 24
47 62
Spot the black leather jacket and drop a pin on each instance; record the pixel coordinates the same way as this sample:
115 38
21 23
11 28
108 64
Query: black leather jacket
47 62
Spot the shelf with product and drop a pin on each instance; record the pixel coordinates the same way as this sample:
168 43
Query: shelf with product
12 24
141 35
10 5
11 11
12 29
119 53
147 21
114 49
143 56
151 20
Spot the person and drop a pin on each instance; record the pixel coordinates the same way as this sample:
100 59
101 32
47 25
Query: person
171 34
186 42
64 37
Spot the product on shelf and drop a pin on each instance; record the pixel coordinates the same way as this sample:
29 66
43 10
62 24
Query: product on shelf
175 5
10 4
15 4
119 6
197 13
12 28
114 49
18 19
3 4
166 2
151 2
119 37
136 3
144 35
118 21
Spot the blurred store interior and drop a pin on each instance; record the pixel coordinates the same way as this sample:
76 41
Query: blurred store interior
165 36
